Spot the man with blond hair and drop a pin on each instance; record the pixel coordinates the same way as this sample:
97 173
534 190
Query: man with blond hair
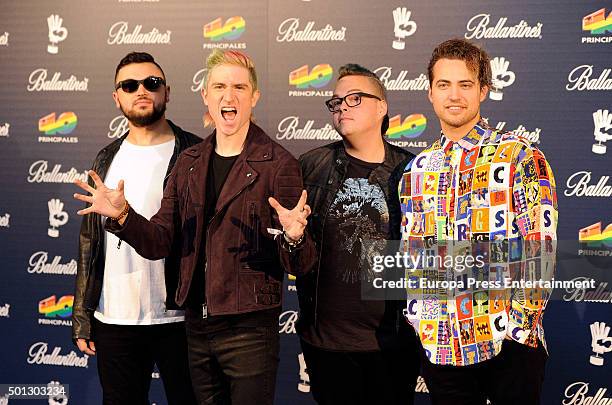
217 210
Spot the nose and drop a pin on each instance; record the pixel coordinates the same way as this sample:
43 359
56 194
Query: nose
228 93
454 93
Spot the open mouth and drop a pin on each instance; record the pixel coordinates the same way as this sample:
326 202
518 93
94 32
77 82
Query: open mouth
228 113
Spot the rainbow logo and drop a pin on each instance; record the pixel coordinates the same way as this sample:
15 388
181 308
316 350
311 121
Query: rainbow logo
64 124
232 29
52 307
597 22
594 236
413 126
318 77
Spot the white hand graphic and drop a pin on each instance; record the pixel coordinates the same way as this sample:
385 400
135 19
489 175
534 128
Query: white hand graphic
501 77
304 384
403 26
601 342
57 33
602 120
61 398
57 216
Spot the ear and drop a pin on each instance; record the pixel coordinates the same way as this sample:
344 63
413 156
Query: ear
255 98
429 95
484 90
116 98
203 93
382 108
167 94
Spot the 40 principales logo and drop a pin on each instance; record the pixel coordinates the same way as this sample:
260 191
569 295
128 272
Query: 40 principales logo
223 34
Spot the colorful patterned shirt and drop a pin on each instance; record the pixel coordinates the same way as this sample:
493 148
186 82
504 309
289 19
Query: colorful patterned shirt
489 193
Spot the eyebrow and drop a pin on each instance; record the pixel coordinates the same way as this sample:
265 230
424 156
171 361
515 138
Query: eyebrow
348 92
460 81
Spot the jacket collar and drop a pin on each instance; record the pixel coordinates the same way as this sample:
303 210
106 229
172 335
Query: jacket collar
475 137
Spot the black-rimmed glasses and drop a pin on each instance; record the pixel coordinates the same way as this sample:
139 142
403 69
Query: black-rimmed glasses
351 100
151 83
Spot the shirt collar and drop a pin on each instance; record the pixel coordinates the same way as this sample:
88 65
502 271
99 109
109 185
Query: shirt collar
473 138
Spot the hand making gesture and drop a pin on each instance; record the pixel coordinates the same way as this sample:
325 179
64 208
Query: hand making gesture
104 201
293 221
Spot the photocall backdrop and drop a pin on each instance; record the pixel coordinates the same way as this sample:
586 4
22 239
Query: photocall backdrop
57 61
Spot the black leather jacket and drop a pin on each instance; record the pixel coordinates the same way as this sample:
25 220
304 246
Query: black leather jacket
90 266
323 170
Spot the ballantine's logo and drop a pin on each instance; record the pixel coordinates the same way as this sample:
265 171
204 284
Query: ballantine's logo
4 130
576 394
63 125
419 83
421 386
580 79
318 77
38 355
38 82
118 35
288 31
4 39
598 295
5 221
411 127
578 185
531 136
286 322
198 80
52 307
39 264
38 174
288 129
231 30
117 127
5 311
478 28
602 122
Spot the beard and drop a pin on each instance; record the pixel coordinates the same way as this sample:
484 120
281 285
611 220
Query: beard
145 119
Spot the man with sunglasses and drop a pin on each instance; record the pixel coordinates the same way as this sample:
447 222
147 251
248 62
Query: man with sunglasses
124 310
357 351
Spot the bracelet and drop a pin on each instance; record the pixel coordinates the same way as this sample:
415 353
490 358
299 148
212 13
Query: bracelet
123 213
291 242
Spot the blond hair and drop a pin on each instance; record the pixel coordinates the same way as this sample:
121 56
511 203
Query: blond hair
217 58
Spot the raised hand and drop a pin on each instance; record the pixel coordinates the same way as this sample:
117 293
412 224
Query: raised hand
293 220
104 201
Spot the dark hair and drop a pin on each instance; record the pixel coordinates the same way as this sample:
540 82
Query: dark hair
474 57
137 57
353 69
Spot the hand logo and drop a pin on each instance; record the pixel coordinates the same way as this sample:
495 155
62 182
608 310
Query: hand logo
57 216
601 342
57 33
602 120
403 27
502 77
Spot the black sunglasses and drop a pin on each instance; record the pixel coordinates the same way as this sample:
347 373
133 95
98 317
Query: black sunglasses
151 83
352 100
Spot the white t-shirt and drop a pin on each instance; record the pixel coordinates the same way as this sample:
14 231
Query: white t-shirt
134 288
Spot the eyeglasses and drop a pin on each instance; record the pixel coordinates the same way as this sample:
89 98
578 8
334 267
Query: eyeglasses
352 100
151 83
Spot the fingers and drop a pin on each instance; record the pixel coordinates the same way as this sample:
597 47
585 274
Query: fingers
307 211
120 186
302 201
96 179
83 346
92 346
85 211
84 186
85 198
276 205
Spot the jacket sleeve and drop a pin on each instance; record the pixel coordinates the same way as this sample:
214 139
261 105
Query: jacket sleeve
81 318
152 239
288 186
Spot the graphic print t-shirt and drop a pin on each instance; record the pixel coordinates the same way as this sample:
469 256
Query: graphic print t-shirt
358 214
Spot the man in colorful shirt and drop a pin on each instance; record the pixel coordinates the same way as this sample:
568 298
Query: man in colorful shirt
489 195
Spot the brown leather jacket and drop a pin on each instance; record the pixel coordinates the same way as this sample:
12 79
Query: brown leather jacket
243 261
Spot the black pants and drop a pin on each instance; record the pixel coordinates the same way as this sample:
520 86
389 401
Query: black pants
515 376
235 365
386 377
125 357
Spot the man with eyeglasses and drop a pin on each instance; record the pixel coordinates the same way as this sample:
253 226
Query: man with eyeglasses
357 351
124 310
